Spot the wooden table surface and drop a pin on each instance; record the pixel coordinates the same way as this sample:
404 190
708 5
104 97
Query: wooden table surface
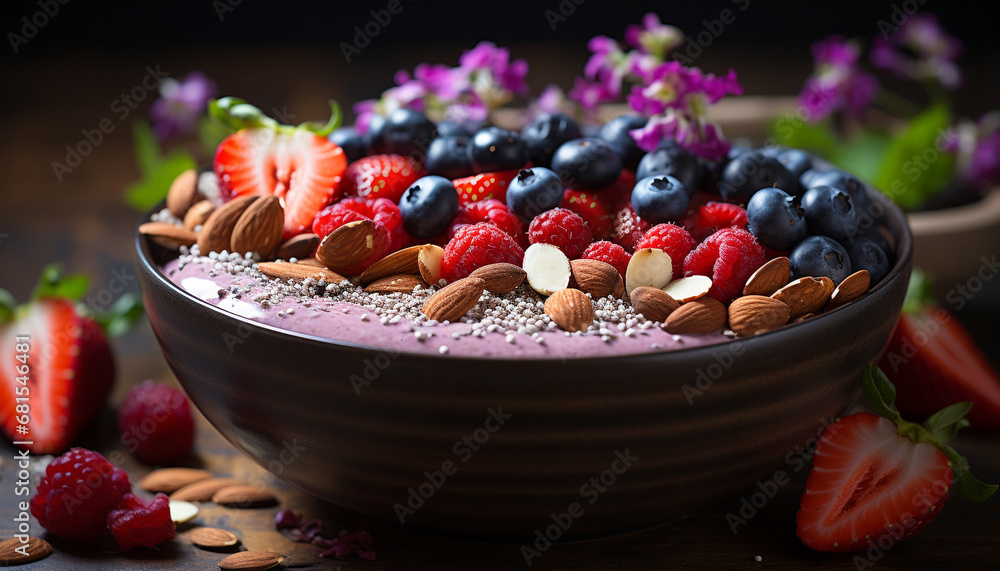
83 220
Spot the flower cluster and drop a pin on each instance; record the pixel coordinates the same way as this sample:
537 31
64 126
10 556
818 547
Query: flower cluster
920 49
181 104
977 151
838 83
485 79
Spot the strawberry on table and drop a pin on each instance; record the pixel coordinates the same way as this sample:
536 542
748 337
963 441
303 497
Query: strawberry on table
296 164
876 475
484 186
381 176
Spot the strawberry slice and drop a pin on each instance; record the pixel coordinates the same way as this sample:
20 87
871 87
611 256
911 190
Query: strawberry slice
484 186
382 176
296 164
876 476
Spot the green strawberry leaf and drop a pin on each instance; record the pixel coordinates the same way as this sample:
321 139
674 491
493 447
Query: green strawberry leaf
237 114
211 133
968 485
914 168
123 314
7 305
323 130
879 392
52 284
155 182
945 423
918 292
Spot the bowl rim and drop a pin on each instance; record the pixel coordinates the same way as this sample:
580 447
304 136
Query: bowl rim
904 255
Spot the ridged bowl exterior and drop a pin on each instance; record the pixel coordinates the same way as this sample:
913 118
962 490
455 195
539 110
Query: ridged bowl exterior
759 398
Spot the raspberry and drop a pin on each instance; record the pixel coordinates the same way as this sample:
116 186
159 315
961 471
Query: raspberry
563 229
76 493
492 211
713 216
673 240
728 257
156 423
592 207
476 246
352 209
609 252
137 524
627 228
381 176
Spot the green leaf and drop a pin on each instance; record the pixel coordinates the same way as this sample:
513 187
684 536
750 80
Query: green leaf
968 485
862 155
879 392
7 305
945 423
918 292
335 118
147 147
237 114
52 284
155 182
122 315
817 138
914 168
211 133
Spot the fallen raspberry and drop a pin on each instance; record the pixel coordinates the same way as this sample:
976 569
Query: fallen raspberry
138 524
343 546
563 229
476 246
609 252
673 240
728 256
156 423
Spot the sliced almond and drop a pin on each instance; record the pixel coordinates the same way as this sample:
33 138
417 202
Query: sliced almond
36 547
217 232
756 314
202 491
802 318
571 309
501 278
351 244
768 278
259 228
402 262
301 246
169 480
212 538
649 267
182 511
198 214
853 287
183 193
289 271
167 235
805 295
703 315
244 496
653 304
429 260
595 277
396 284
454 300
546 268
251 561
689 288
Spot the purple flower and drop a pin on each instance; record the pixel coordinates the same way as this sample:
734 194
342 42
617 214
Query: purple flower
920 49
487 57
696 134
653 37
180 105
977 151
672 85
550 100
590 94
837 83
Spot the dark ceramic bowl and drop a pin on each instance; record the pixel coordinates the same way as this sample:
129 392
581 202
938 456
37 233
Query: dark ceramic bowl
695 426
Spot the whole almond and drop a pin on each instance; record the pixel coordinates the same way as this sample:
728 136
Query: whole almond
352 243
402 262
212 538
853 287
595 277
571 309
501 278
217 232
768 278
703 315
301 246
169 480
244 496
203 490
259 228
198 214
37 549
288 271
183 193
805 295
167 235
756 314
311 262
652 303
251 561
396 284
454 300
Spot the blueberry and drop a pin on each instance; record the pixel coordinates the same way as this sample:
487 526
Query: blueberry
775 219
750 172
587 164
448 156
408 132
374 135
534 191
660 198
867 255
347 138
807 177
846 182
428 206
496 149
672 159
545 133
830 212
797 162
453 129
616 133
874 233
819 256
591 130
773 151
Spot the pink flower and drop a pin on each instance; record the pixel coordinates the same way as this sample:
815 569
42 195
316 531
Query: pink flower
920 49
653 37
590 94
180 105
838 82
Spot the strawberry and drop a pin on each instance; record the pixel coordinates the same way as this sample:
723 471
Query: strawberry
593 208
934 361
877 477
296 164
381 176
56 366
484 186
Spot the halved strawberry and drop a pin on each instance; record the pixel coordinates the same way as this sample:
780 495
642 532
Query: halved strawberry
484 186
875 476
593 207
382 176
